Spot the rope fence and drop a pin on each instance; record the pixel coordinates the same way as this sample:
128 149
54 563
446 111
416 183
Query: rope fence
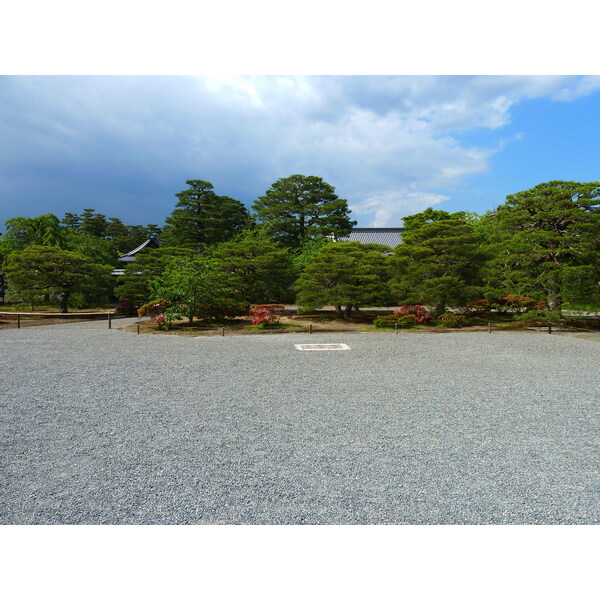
82 316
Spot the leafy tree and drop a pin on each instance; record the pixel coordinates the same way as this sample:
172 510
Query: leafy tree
149 264
299 207
3 254
256 268
349 273
190 284
48 269
94 223
101 251
307 250
437 262
44 230
202 218
72 220
545 242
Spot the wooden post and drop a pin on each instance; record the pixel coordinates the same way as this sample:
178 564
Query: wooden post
395 328
138 328
549 327
109 322
222 331
489 328
310 328
18 321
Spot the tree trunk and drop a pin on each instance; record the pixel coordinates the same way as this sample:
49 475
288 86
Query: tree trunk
63 299
554 299
338 311
440 308
348 311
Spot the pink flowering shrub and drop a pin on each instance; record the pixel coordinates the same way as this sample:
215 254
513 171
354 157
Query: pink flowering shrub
406 316
266 314
152 309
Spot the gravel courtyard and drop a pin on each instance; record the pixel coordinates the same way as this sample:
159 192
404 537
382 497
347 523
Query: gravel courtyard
104 426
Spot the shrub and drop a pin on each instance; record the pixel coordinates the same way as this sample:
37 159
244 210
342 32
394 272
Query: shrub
451 320
508 303
152 309
266 314
125 307
405 317
539 316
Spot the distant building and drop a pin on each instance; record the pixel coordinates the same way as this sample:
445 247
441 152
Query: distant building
389 236
129 257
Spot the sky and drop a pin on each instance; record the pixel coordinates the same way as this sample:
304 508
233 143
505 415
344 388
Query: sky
391 145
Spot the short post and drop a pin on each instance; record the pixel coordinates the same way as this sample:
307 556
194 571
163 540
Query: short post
138 328
489 328
18 321
222 331
310 328
395 328
109 322
549 327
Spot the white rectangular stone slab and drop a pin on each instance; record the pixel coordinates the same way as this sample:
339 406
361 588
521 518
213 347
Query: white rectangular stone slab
322 346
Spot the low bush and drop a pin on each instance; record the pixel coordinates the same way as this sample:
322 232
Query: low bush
266 314
508 303
539 316
405 317
152 309
451 320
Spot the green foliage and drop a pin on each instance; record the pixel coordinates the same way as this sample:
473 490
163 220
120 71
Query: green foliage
437 262
149 264
451 320
537 236
347 273
193 285
48 269
307 250
99 250
539 316
254 266
44 230
202 218
300 207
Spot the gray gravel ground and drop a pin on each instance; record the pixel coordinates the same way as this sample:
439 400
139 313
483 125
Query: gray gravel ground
104 426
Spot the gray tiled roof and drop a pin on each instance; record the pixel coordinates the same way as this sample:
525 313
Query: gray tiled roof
129 257
390 236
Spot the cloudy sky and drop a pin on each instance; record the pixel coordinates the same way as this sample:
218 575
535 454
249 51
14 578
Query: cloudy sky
392 146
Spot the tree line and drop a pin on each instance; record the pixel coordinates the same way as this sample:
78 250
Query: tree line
217 257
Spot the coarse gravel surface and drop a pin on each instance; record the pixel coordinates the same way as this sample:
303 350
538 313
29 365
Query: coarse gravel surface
104 426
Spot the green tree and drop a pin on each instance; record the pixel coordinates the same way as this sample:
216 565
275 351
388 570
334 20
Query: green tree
44 230
101 251
256 268
437 262
299 207
349 273
72 220
134 283
190 284
308 249
48 269
202 218
94 223
545 242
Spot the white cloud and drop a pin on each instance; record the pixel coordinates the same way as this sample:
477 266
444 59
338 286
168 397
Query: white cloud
390 145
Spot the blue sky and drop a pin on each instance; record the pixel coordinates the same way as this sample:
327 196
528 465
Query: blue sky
391 146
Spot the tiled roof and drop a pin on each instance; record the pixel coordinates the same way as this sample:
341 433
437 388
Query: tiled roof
390 236
130 256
